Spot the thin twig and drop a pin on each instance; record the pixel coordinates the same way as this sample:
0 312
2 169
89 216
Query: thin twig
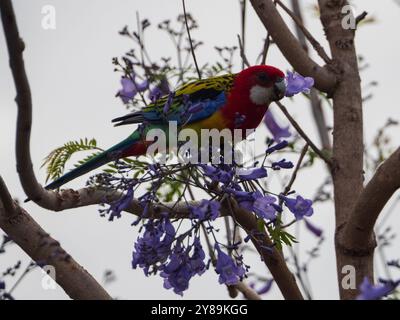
304 135
315 44
361 17
296 169
242 54
190 40
315 101
243 29
267 44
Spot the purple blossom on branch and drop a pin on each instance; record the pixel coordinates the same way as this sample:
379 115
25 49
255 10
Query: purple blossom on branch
300 207
177 273
276 130
266 287
155 244
279 146
206 210
120 205
368 291
253 174
160 90
217 174
130 88
297 84
313 228
263 207
282 164
229 272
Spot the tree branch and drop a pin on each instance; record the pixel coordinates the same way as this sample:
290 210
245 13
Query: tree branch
8 202
247 292
358 231
273 259
315 101
299 25
300 131
348 147
43 249
325 80
15 47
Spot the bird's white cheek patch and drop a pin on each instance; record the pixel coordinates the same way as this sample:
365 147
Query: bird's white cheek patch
259 95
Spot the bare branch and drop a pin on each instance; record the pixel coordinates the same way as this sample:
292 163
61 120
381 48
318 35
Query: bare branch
247 292
242 53
316 45
290 46
361 17
315 101
15 47
358 231
190 40
43 249
296 169
304 135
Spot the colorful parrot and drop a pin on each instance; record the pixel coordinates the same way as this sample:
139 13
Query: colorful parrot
215 103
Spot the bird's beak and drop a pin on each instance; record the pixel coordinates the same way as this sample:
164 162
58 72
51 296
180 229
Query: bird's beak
279 89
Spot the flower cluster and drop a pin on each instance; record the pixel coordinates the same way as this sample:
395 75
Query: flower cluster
171 247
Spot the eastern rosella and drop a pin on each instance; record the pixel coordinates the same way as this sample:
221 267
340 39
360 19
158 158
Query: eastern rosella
217 102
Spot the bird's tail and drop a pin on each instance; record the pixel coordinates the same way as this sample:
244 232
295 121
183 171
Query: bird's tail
117 151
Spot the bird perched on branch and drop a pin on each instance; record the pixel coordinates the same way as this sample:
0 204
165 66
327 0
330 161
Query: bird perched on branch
232 101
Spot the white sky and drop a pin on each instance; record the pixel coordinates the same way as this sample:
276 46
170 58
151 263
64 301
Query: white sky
73 87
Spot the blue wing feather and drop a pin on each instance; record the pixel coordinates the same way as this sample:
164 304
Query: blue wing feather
201 109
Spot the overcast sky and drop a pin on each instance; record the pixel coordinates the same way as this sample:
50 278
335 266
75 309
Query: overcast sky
73 89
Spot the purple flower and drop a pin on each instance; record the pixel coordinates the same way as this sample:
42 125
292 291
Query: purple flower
206 210
279 146
297 84
217 174
376 292
253 174
263 207
229 272
130 88
282 164
155 244
276 130
245 199
313 229
177 273
196 261
120 205
160 90
300 207
265 288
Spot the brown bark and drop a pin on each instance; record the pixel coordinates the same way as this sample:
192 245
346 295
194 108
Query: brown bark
290 46
347 139
41 247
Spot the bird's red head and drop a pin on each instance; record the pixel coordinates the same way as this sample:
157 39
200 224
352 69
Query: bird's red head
253 90
263 83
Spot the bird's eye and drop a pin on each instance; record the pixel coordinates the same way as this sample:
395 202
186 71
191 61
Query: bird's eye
263 78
